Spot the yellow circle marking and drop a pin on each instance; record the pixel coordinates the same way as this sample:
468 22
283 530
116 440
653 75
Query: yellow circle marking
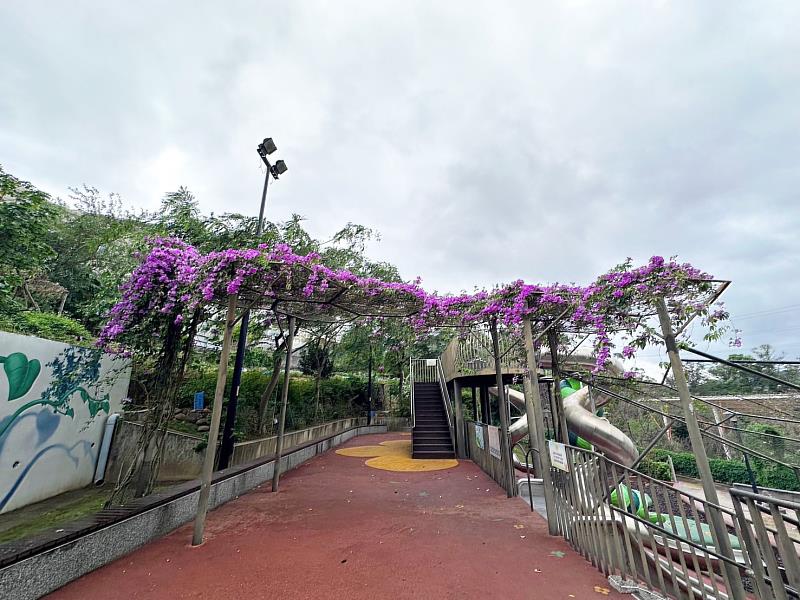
395 455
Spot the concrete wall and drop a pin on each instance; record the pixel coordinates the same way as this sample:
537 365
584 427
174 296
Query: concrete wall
180 461
46 572
54 401
245 452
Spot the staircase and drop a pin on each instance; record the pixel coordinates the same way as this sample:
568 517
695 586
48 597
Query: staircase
430 437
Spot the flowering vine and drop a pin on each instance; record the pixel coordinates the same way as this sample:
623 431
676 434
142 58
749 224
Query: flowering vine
174 281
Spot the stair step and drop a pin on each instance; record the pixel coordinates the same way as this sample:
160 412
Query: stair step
432 436
434 454
433 444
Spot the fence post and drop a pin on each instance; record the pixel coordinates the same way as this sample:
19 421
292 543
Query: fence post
699 450
533 410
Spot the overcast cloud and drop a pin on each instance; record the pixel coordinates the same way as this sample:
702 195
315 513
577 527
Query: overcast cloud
485 141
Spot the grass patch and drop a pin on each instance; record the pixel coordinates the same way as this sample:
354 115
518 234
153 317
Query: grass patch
33 521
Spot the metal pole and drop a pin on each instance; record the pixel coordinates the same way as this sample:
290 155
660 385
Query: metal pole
226 450
536 427
699 450
505 450
213 433
276 473
369 386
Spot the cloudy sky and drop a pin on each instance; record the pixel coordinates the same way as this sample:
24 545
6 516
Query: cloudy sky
485 141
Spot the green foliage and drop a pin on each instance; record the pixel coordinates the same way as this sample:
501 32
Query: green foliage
47 325
656 469
718 380
26 215
340 397
729 471
767 473
765 438
316 358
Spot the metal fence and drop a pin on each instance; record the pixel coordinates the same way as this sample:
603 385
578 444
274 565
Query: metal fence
656 536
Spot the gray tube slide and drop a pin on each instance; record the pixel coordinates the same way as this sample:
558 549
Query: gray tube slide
580 419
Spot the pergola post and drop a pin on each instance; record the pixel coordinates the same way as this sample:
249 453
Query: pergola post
276 472
459 416
699 450
505 450
536 428
216 417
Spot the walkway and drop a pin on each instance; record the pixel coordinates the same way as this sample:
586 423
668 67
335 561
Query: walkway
340 529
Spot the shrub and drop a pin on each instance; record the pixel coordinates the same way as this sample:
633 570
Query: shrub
729 471
47 325
340 397
656 470
766 473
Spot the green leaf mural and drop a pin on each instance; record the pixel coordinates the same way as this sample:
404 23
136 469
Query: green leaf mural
21 373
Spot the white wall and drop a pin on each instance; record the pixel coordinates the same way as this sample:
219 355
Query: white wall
49 438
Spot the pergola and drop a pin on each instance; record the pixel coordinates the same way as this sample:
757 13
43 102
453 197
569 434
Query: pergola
283 289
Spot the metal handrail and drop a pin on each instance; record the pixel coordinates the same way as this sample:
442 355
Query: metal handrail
448 408
773 556
412 379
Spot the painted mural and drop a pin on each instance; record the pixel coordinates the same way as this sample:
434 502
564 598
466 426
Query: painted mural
54 401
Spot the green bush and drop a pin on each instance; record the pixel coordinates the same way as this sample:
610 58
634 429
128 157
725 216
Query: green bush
766 473
729 471
340 397
47 325
778 476
656 470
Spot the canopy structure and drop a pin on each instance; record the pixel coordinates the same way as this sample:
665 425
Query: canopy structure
170 290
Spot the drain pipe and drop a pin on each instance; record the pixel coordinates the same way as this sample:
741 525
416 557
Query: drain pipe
105 448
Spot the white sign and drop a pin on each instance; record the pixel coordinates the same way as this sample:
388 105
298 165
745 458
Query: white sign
494 441
430 362
479 436
558 455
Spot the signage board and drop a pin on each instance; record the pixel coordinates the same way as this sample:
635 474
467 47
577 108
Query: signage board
494 441
558 455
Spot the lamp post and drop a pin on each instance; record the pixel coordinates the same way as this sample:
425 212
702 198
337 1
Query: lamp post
264 149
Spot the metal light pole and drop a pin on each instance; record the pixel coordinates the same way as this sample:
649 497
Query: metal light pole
265 148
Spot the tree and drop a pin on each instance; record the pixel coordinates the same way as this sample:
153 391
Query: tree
316 358
718 379
26 214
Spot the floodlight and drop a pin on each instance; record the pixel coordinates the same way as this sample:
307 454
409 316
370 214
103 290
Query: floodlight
269 146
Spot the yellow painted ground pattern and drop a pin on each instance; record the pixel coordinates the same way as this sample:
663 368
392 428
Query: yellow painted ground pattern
395 455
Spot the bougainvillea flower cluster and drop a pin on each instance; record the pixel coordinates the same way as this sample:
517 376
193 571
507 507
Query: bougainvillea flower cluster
173 280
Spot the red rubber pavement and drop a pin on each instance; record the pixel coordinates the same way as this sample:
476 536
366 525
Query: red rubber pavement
339 529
